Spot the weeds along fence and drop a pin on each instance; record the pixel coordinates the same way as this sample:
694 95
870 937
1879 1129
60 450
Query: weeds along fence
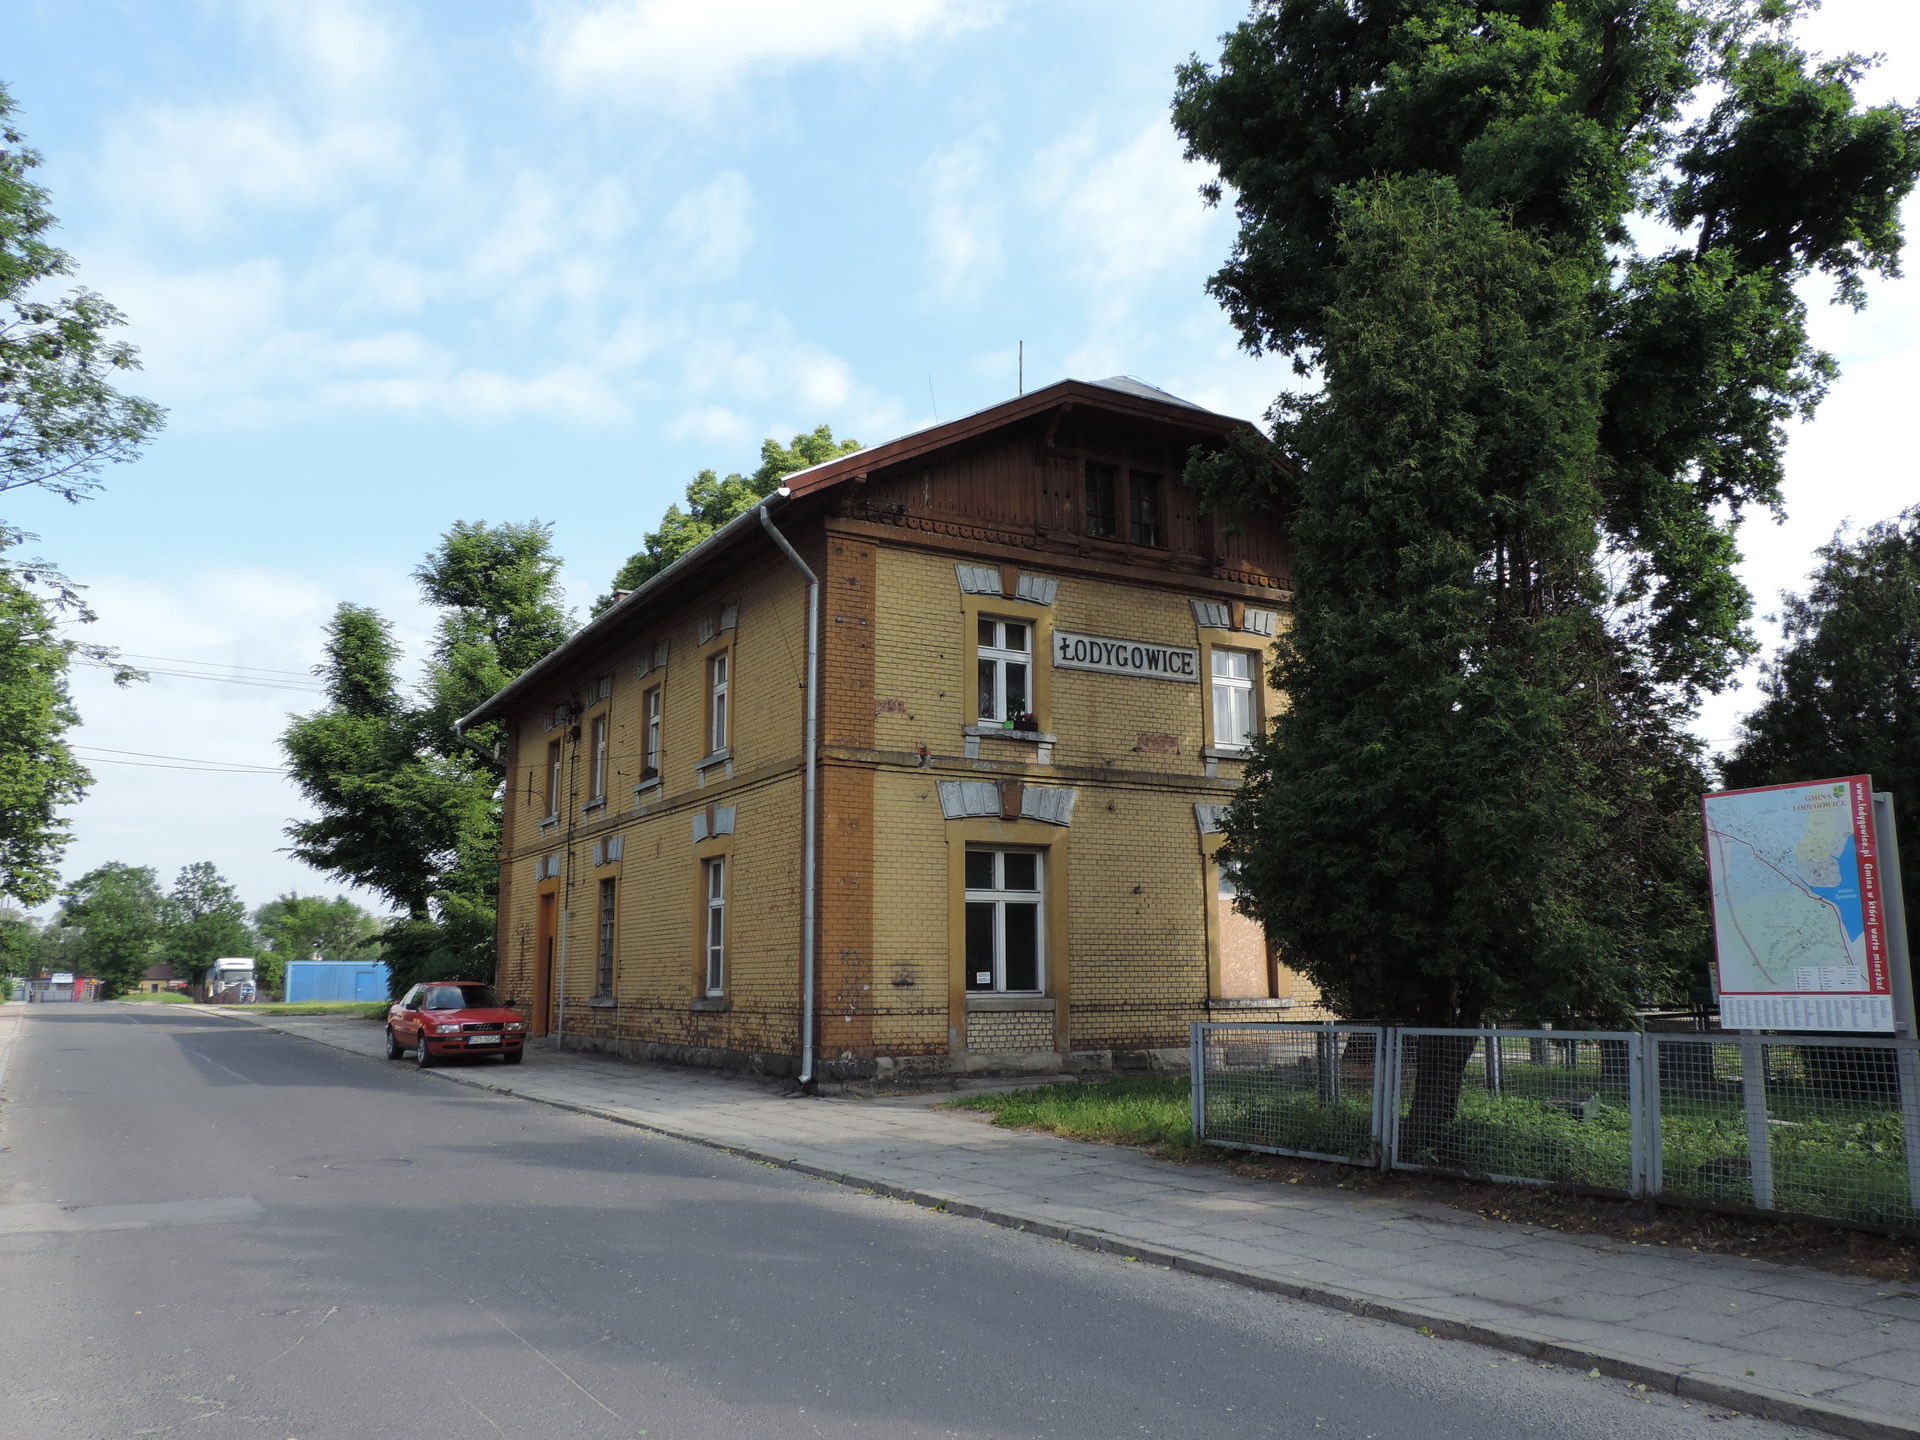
1823 1128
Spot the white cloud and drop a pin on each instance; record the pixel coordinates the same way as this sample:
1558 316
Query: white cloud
142 813
567 393
711 422
198 167
530 229
683 55
342 48
963 221
1127 218
708 232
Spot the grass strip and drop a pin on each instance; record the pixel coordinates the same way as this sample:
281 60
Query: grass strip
1153 1111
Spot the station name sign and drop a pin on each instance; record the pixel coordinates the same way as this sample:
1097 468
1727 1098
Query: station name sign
1125 657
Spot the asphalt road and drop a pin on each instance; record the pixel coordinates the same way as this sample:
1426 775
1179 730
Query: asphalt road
208 1229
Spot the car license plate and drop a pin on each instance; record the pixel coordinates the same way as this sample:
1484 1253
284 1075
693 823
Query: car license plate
483 1039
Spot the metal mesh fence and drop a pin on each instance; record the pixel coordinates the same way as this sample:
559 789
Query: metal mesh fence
1307 1090
1825 1127
1813 1127
1534 1106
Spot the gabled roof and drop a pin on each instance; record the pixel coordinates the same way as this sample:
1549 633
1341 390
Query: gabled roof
1119 395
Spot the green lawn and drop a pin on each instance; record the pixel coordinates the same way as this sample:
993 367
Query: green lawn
1840 1159
1835 1159
165 997
1150 1110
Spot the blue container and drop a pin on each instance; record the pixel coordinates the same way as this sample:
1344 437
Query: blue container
336 980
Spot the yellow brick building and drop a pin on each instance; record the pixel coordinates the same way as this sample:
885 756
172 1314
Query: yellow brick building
1036 661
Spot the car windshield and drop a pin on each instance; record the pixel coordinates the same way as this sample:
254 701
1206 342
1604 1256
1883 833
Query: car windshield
459 997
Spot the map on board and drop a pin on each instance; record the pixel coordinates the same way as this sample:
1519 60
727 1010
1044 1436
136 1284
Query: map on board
1796 907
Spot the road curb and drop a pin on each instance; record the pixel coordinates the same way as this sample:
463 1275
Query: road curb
1805 1410
12 1017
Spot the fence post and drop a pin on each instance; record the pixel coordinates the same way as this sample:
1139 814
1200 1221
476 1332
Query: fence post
1753 1095
1906 1064
1496 1063
1386 1073
1906 1034
1653 1160
1197 1069
1637 1114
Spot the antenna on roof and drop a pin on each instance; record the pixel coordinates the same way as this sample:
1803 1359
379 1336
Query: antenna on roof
931 401
1023 367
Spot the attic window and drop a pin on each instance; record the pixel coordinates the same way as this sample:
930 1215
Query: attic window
1103 487
1124 504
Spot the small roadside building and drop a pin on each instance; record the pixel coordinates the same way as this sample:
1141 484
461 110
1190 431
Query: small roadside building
914 769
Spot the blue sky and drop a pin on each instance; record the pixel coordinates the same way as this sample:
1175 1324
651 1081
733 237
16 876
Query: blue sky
391 265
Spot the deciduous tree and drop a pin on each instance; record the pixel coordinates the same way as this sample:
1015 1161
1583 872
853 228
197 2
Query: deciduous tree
407 808
61 419
314 927
1842 696
712 501
38 774
202 920
113 918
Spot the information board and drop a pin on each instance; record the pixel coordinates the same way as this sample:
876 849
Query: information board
1799 920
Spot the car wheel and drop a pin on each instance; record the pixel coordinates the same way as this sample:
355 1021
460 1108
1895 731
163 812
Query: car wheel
420 1055
394 1048
514 1057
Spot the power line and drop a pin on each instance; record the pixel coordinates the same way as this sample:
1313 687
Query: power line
218 664
149 755
191 769
244 680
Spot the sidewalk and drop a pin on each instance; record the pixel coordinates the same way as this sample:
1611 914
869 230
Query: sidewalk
1802 1346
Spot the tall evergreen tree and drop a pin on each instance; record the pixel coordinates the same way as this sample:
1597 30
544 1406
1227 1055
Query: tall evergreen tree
1513 501
1571 120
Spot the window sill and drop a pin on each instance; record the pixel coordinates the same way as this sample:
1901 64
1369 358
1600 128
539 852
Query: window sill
647 789
1240 753
591 806
1221 1002
1000 732
986 1000
712 1005
547 822
718 757
603 1002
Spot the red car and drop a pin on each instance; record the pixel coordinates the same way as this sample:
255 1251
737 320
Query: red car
454 1017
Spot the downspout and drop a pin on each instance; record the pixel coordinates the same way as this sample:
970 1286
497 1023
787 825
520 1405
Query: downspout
810 851
566 883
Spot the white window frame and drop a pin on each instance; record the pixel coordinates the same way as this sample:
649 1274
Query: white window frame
713 879
653 704
719 683
553 778
999 656
1002 900
1234 698
597 738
